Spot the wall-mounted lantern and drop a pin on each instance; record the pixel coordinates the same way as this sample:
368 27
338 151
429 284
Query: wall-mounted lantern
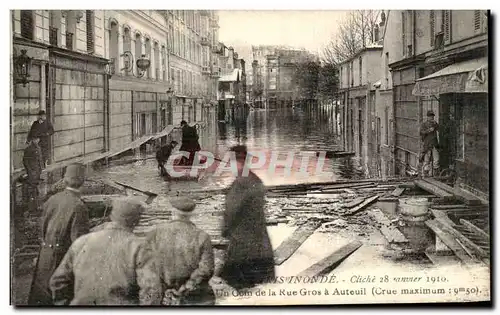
22 67
110 67
143 64
78 15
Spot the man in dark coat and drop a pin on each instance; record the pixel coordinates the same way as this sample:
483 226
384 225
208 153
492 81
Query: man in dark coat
33 163
42 129
429 135
189 142
65 218
185 257
162 155
249 259
112 266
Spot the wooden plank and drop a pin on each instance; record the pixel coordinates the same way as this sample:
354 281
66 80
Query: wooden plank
398 191
293 242
390 232
464 240
474 229
433 189
329 263
353 203
360 207
462 195
438 214
440 260
450 241
444 207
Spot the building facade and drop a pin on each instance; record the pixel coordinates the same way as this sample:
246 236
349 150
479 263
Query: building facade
358 76
85 74
441 64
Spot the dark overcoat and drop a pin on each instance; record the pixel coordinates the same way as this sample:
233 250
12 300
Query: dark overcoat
42 130
249 258
65 218
33 163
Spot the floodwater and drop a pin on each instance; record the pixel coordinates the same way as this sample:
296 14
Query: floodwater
294 133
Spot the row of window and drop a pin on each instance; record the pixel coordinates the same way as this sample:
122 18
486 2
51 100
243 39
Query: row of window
188 83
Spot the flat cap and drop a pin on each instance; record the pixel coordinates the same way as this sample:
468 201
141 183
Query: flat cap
126 209
75 170
183 204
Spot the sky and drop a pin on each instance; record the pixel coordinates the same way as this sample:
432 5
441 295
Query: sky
302 29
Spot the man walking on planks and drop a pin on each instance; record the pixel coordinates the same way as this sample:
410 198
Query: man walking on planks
111 266
42 129
65 218
430 144
250 259
185 257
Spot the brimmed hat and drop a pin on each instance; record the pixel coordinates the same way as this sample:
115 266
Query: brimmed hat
126 210
430 113
183 204
42 112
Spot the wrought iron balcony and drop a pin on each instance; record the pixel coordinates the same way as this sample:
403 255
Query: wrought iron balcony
205 70
205 41
53 36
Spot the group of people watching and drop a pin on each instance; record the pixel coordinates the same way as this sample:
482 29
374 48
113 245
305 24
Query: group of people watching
172 265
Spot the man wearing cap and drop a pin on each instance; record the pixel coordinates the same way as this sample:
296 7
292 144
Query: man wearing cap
65 218
250 259
429 134
185 257
111 266
42 129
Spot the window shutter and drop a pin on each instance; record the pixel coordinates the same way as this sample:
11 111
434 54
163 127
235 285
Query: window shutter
403 23
432 24
27 24
477 20
447 26
90 31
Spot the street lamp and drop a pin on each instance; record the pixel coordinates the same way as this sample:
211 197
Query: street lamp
142 63
22 67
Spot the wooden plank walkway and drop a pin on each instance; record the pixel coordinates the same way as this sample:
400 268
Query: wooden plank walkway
290 245
390 232
460 194
360 207
329 263
434 190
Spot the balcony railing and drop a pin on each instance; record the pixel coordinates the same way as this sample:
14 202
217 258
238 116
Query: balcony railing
205 41
217 50
205 70
69 41
53 36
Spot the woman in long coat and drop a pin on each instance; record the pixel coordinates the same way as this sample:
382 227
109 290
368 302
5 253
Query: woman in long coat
249 259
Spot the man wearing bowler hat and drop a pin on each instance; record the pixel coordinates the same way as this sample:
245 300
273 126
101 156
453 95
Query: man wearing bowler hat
41 128
185 257
65 218
112 266
430 144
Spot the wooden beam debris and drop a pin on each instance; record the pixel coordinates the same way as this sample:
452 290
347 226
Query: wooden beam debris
475 229
460 194
286 249
329 263
434 189
390 232
361 206
398 191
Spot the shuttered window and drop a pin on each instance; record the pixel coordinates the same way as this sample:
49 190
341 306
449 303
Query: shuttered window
447 26
432 27
403 28
90 30
477 20
27 24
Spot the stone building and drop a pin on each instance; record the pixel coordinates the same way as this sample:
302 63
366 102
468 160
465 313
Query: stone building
68 79
357 76
442 65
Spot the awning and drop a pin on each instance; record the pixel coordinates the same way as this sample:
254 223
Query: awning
463 77
233 77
